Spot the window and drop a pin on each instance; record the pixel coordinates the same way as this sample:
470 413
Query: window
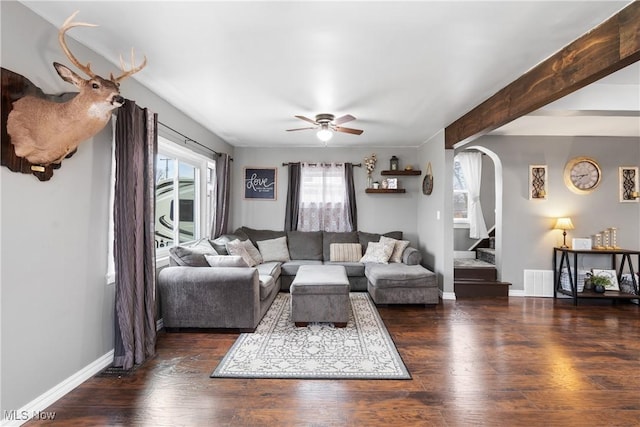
323 198
460 195
185 195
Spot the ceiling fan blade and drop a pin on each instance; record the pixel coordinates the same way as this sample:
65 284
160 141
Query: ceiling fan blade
306 119
289 130
348 130
344 119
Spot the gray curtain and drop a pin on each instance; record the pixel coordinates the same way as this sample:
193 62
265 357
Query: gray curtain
134 248
223 182
351 196
293 198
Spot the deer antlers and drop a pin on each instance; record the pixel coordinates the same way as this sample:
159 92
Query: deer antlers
67 25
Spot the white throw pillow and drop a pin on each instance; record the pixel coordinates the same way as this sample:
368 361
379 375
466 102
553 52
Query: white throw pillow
345 252
398 249
274 249
236 247
226 261
253 251
378 252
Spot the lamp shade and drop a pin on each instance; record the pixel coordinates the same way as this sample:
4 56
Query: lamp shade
324 134
564 224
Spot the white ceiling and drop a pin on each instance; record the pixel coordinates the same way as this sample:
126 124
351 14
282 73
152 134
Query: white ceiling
405 69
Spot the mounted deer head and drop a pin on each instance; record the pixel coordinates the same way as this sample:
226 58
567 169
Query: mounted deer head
45 132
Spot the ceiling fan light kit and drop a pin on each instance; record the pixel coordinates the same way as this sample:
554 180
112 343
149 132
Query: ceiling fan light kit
327 124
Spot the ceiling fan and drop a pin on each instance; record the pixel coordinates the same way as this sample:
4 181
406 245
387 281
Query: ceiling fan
327 124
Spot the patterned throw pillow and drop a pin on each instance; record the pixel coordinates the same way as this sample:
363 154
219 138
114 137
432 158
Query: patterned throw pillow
274 249
236 247
398 249
226 261
345 252
253 251
378 252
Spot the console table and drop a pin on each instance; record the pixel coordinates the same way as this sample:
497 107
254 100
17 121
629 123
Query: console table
569 260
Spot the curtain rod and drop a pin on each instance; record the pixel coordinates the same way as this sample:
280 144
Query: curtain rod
357 165
187 139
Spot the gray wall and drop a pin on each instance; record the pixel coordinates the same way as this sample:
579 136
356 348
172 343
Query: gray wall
56 308
376 212
528 237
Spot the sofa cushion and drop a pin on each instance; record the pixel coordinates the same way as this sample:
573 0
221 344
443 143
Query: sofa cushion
305 245
225 261
378 252
220 243
400 276
353 269
398 249
267 283
236 247
272 269
256 235
191 256
329 237
345 252
274 249
366 238
290 268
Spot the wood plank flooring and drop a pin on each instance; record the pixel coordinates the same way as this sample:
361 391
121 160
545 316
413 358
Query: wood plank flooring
493 362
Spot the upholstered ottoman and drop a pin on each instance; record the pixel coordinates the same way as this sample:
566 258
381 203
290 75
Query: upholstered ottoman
399 283
320 293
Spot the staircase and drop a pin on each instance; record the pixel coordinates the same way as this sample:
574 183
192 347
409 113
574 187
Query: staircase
477 277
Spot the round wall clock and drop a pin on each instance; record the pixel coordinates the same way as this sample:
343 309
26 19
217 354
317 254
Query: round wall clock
582 175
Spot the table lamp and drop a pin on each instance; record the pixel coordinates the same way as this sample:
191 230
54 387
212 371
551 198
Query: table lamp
564 224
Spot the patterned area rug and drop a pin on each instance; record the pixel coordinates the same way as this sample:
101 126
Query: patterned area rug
278 349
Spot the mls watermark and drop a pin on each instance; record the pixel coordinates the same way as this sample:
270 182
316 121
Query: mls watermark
28 415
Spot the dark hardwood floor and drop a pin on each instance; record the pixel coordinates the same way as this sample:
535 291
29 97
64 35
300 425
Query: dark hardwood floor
498 362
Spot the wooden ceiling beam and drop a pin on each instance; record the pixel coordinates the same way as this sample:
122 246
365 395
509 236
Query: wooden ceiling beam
609 47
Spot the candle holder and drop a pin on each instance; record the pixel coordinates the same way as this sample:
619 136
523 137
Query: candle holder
597 241
613 235
606 239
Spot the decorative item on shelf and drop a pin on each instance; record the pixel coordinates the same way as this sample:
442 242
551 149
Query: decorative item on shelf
597 241
579 243
376 185
392 183
427 182
370 165
606 278
408 168
606 239
385 184
564 224
628 184
613 237
537 182
393 163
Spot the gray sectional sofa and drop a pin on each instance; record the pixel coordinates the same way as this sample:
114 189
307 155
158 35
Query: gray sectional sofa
193 294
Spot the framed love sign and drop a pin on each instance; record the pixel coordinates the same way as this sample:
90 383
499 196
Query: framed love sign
260 183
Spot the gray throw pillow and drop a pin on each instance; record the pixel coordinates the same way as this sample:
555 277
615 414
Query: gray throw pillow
399 247
191 256
274 249
236 247
225 261
220 243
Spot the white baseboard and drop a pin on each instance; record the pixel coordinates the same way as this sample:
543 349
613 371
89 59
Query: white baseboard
447 295
35 408
517 293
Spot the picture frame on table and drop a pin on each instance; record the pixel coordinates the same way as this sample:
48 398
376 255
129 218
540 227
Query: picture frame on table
538 182
628 184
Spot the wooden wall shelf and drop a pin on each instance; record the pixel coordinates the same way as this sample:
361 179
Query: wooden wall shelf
384 190
401 172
